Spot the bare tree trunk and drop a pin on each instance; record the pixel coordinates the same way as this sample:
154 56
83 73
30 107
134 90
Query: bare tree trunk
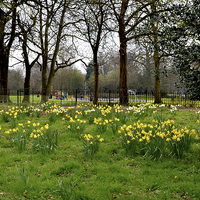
96 79
4 78
27 85
5 49
28 65
3 60
157 77
156 61
148 72
123 85
48 85
44 38
44 82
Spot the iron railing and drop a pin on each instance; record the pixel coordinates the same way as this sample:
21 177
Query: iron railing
74 97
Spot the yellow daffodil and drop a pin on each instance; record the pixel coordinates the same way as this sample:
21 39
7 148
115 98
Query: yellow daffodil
46 126
101 140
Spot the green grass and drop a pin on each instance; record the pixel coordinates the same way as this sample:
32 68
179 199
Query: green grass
36 100
67 172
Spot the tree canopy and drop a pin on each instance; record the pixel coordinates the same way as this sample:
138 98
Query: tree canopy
153 32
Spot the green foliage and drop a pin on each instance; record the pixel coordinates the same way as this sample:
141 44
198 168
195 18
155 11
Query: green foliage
101 125
91 144
45 143
67 190
58 165
37 112
20 140
76 126
23 176
115 123
5 117
182 38
52 117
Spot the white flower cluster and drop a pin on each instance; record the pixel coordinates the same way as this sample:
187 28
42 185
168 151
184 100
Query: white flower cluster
173 109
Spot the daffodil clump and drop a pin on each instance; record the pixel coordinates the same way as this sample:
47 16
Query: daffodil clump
102 125
20 135
162 107
156 139
91 144
28 135
17 113
46 106
10 114
70 111
122 115
90 114
36 111
55 112
102 113
76 125
56 109
106 111
114 123
95 112
142 110
173 109
45 140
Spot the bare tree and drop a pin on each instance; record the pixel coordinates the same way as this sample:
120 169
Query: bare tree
130 15
26 25
8 13
54 26
94 15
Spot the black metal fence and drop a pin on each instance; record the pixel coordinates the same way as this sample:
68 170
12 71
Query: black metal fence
74 97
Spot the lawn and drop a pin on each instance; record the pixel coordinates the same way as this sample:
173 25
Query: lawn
143 151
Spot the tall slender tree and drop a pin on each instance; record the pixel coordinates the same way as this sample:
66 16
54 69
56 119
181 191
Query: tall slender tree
8 14
94 15
130 16
26 25
54 26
